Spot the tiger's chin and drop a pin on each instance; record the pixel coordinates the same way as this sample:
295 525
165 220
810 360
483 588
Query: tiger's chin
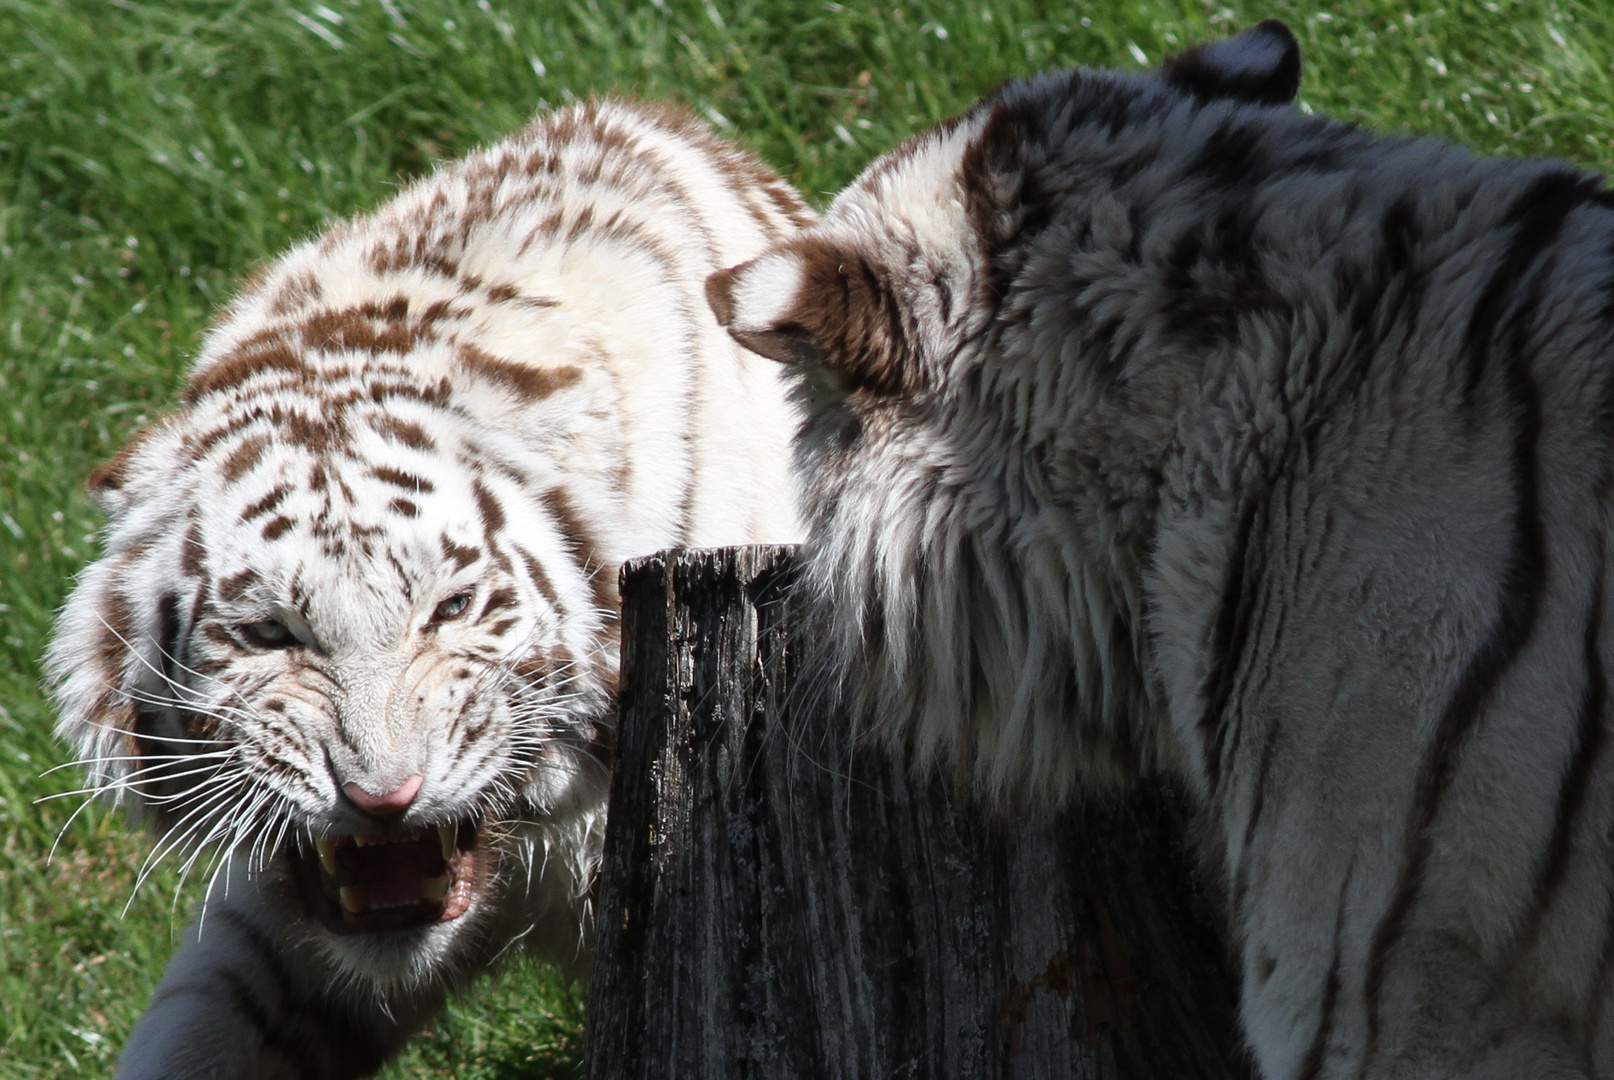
396 879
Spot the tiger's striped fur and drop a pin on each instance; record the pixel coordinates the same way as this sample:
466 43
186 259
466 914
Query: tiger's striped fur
360 586
1155 425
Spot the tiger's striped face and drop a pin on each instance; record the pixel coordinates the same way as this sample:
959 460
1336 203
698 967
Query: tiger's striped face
337 631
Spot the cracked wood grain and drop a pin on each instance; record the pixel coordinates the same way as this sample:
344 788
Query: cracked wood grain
777 904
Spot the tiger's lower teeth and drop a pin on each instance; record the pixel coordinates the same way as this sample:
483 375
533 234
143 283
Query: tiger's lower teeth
355 901
433 889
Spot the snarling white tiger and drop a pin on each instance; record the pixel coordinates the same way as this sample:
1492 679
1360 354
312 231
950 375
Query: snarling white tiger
355 620
1155 424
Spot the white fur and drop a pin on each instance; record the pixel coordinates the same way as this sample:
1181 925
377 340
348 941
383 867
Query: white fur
768 293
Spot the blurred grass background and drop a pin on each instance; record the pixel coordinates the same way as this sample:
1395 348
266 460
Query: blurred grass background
152 152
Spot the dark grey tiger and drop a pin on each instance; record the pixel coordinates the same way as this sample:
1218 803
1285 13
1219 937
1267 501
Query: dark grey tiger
1156 425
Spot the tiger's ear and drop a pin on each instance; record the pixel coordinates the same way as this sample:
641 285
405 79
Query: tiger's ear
757 303
107 485
824 305
113 486
1260 66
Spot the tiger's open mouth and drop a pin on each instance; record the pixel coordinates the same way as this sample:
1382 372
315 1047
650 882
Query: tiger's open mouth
393 880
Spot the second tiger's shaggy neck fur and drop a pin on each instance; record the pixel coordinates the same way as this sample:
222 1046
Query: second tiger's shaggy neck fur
1126 499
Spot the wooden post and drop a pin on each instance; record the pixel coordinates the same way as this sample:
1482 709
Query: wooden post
774 904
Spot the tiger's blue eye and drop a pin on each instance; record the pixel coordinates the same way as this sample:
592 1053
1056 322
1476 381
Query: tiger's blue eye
269 634
452 608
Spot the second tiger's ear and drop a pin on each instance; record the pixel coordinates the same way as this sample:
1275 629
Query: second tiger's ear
759 303
1260 66
820 304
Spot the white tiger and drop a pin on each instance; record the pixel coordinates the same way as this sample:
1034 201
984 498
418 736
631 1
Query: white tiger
355 622
1157 425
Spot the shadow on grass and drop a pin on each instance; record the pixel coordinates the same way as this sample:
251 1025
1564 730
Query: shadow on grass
566 1065
526 1024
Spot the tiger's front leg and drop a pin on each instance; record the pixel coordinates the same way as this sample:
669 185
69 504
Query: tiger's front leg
249 997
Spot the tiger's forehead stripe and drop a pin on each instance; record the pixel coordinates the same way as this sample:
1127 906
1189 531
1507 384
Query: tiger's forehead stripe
235 586
264 505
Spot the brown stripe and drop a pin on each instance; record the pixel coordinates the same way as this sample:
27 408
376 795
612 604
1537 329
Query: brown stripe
498 598
526 382
540 579
410 434
276 496
218 635
755 186
192 550
276 526
235 586
399 478
169 630
601 578
117 634
412 253
244 458
492 513
319 435
437 393
295 292
458 554
268 351
374 327
114 473
405 580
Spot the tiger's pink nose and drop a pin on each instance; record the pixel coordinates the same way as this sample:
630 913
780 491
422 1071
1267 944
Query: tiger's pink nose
386 803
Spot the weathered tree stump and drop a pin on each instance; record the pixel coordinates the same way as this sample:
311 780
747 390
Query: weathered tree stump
775 903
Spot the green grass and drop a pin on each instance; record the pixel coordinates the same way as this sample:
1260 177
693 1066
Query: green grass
151 153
